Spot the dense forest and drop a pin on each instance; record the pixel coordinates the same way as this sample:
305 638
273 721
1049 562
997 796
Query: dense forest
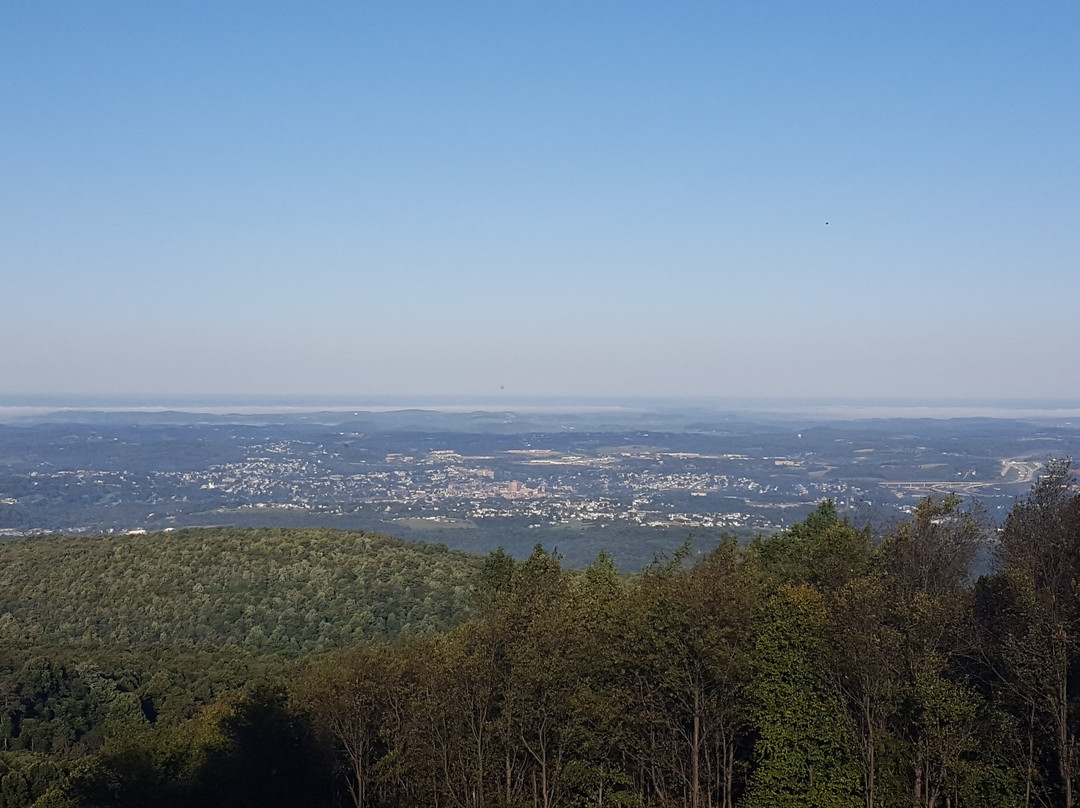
271 590
821 666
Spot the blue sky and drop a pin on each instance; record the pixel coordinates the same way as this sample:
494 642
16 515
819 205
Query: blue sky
540 198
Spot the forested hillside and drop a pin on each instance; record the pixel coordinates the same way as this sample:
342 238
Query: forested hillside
817 667
104 636
270 590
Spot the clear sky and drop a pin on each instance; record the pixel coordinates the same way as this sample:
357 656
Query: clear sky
569 198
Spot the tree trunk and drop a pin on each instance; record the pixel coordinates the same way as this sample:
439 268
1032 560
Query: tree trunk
695 753
871 754
729 775
1064 745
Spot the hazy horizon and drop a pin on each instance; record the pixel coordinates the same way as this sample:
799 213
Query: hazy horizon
15 409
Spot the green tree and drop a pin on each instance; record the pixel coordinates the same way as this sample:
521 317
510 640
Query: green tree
348 699
863 664
1039 626
823 551
803 750
924 565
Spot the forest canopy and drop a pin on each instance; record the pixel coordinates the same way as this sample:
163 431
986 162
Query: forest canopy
266 590
821 666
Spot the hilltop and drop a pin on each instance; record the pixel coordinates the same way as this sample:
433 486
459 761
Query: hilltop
262 590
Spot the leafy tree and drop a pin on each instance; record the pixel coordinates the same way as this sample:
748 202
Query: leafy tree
495 578
803 749
1038 625
924 565
347 700
863 664
823 551
685 652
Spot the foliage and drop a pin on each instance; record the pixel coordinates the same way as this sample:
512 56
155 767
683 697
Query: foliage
811 668
803 750
266 591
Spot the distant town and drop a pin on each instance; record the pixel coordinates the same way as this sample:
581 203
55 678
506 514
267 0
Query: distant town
477 484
